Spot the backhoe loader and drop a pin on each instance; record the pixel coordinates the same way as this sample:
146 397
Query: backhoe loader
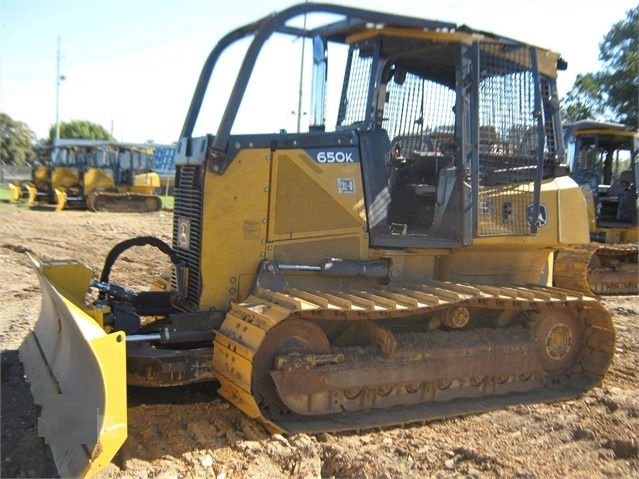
604 160
324 278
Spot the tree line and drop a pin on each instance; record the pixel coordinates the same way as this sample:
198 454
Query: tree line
19 145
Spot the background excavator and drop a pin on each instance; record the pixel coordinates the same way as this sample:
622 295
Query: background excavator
94 175
327 279
604 160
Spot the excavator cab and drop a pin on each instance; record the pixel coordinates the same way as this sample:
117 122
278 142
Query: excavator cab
363 235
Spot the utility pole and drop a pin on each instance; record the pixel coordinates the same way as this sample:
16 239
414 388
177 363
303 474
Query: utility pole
58 80
299 97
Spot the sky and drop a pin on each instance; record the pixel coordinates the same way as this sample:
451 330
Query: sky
132 65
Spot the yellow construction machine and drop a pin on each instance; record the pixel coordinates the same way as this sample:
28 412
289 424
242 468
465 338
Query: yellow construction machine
118 178
95 175
61 168
604 160
327 280
70 160
38 189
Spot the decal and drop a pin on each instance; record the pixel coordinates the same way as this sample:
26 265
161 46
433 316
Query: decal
542 219
251 230
486 207
184 233
345 186
333 155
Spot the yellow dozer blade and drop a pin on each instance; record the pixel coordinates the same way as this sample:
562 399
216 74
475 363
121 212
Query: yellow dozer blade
61 199
16 191
77 373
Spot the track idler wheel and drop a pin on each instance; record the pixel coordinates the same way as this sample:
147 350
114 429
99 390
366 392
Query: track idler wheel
288 338
152 203
559 337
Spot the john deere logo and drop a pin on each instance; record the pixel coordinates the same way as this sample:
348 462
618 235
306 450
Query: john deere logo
542 217
184 234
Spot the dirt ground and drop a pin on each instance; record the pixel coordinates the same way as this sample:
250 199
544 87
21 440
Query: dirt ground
193 433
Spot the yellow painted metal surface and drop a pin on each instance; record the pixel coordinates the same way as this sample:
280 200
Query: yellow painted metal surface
77 374
546 59
306 201
146 182
235 345
97 179
64 177
61 179
317 250
61 199
33 193
499 266
525 259
16 192
282 206
621 234
567 220
235 206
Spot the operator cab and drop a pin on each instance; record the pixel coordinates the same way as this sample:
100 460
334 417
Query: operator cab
428 107
604 161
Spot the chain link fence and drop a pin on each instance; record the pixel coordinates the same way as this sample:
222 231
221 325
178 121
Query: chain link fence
9 173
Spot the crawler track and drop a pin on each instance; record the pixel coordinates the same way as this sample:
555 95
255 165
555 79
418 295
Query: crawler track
599 269
301 360
124 202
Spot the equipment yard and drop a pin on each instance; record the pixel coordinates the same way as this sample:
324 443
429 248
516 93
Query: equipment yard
193 432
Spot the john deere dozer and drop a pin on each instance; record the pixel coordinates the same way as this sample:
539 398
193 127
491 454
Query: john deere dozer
604 161
121 179
95 175
325 278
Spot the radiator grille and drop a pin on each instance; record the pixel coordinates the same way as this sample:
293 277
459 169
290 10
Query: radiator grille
188 207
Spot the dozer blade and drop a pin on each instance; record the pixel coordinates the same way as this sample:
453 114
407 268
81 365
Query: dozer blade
18 192
77 373
61 199
32 194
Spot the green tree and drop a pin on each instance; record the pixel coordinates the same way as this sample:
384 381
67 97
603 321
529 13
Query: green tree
611 94
16 141
80 130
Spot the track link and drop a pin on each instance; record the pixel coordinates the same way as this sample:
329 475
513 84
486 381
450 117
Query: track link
108 201
310 361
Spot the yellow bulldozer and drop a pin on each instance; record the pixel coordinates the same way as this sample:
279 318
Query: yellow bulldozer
324 278
604 160
38 188
95 175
